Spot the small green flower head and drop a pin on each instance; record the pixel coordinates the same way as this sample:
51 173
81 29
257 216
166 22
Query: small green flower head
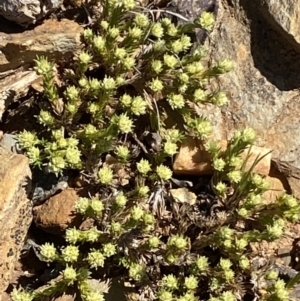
92 235
88 35
94 296
72 235
82 205
137 272
153 242
96 206
172 30
121 200
202 264
34 155
170 282
95 259
156 66
116 227
128 63
99 43
200 95
234 176
137 213
148 219
156 85
95 84
71 108
165 22
164 172
248 135
225 66
235 162
219 164
178 242
46 118
220 99
69 274
122 152
72 93
43 66
70 253
138 106
244 262
159 45
173 135
184 78
73 156
125 124
243 212
83 82
177 46
84 58
165 296
104 24
141 20
109 249
129 4
170 148
135 33
143 166
126 100
120 53
157 30
253 200
108 83
288 200
105 175
272 275
120 81
203 128
176 101
21 295
212 147
191 282
49 252
182 88
143 191
228 296
225 264
225 233
113 32
57 164
170 61
260 182
207 21
229 275
274 231
241 244
281 292
186 42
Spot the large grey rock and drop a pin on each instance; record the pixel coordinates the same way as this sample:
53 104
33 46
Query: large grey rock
15 211
263 88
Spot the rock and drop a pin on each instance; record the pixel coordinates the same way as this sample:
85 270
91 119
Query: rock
195 160
263 88
25 12
58 213
15 211
54 39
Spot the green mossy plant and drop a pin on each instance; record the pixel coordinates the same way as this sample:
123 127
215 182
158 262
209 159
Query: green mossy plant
134 70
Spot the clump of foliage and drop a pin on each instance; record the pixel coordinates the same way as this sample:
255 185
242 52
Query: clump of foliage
132 72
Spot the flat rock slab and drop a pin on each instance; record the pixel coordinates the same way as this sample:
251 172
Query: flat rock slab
15 211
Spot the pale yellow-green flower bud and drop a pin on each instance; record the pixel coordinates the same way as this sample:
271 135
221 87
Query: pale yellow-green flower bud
243 212
203 128
141 20
120 53
21 295
143 166
72 93
207 21
121 200
165 296
156 85
57 164
186 42
177 46
82 205
92 235
143 191
156 66
136 213
84 58
219 164
95 84
69 274
48 252
27 139
125 124
135 33
172 30
248 135
272 275
83 82
105 175
109 249
170 61
95 259
70 253
164 172
45 118
116 227
34 154
96 206
71 108
137 272
202 263
225 66
170 148
104 24
260 182
43 66
138 106
88 34
154 242
200 95
176 101
126 100
220 99
99 43
72 235
90 129
170 282
228 296
244 262
148 219
108 83
128 63
114 32
235 176
191 282
129 4
184 77
157 30
122 152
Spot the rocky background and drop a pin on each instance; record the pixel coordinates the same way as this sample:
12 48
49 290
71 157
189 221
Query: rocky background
261 37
